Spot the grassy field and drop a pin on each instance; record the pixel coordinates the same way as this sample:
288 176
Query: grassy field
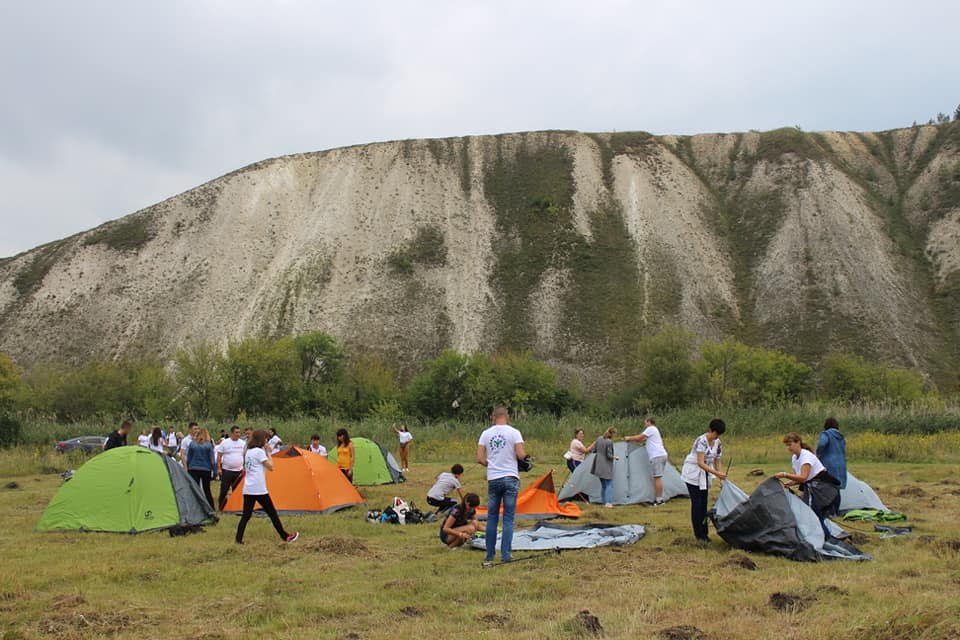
346 578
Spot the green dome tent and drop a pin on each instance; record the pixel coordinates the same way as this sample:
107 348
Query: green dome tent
127 490
374 464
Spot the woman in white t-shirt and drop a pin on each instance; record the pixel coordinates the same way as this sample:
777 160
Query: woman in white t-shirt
156 440
256 462
405 439
577 450
819 488
273 441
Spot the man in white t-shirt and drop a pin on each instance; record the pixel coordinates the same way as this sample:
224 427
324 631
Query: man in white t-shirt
229 463
657 453
187 440
498 449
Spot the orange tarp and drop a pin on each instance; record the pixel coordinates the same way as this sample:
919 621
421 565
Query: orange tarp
302 481
539 500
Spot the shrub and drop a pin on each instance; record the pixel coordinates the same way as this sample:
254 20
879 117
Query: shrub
667 375
10 429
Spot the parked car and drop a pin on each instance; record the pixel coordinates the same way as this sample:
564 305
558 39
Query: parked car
86 443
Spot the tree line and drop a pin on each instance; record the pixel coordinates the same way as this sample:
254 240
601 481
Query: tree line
313 374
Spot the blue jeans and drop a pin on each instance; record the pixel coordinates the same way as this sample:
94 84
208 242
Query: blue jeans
606 491
501 491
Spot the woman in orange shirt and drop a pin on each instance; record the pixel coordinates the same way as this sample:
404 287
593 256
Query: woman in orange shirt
345 454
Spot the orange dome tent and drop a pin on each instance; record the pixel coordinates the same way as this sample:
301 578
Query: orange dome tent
539 501
302 482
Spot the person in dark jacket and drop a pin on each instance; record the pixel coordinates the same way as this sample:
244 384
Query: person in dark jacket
603 464
832 452
119 437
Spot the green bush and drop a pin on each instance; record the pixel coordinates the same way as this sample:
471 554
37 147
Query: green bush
126 234
10 429
732 373
666 372
852 378
467 386
427 248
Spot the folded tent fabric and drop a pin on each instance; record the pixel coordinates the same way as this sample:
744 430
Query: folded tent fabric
774 521
548 536
539 501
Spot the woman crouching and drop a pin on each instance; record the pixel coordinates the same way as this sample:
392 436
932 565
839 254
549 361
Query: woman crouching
461 522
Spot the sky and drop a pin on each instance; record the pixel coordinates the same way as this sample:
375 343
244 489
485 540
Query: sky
110 107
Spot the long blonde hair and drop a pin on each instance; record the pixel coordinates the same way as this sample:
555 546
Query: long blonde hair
610 432
202 436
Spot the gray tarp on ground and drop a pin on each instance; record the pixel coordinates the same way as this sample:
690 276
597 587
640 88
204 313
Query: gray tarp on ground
549 537
859 495
774 521
632 479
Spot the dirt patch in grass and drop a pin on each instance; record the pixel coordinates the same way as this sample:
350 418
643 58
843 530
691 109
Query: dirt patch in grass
682 632
76 624
790 602
12 485
857 539
584 625
897 625
339 546
832 590
67 602
945 547
403 585
493 619
911 491
909 573
412 612
741 562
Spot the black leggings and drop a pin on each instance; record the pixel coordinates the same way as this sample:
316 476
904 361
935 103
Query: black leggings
441 505
202 476
267 505
698 510
227 480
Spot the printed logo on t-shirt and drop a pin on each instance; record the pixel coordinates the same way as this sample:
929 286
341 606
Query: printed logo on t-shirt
497 442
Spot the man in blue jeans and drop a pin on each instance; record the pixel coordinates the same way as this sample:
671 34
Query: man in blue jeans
498 450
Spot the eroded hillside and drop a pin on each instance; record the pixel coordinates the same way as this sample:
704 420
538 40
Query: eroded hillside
572 245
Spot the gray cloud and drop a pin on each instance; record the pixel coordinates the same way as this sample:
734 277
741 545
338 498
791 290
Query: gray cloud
112 106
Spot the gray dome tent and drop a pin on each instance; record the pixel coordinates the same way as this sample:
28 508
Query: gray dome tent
632 479
858 495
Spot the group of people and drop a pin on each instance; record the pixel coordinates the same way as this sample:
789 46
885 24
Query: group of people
819 475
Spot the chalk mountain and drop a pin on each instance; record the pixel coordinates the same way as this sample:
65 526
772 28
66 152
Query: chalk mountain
571 245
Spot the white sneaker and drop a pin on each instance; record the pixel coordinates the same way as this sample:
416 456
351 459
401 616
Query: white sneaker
608 505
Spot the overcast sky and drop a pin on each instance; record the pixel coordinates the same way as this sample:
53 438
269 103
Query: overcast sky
109 107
